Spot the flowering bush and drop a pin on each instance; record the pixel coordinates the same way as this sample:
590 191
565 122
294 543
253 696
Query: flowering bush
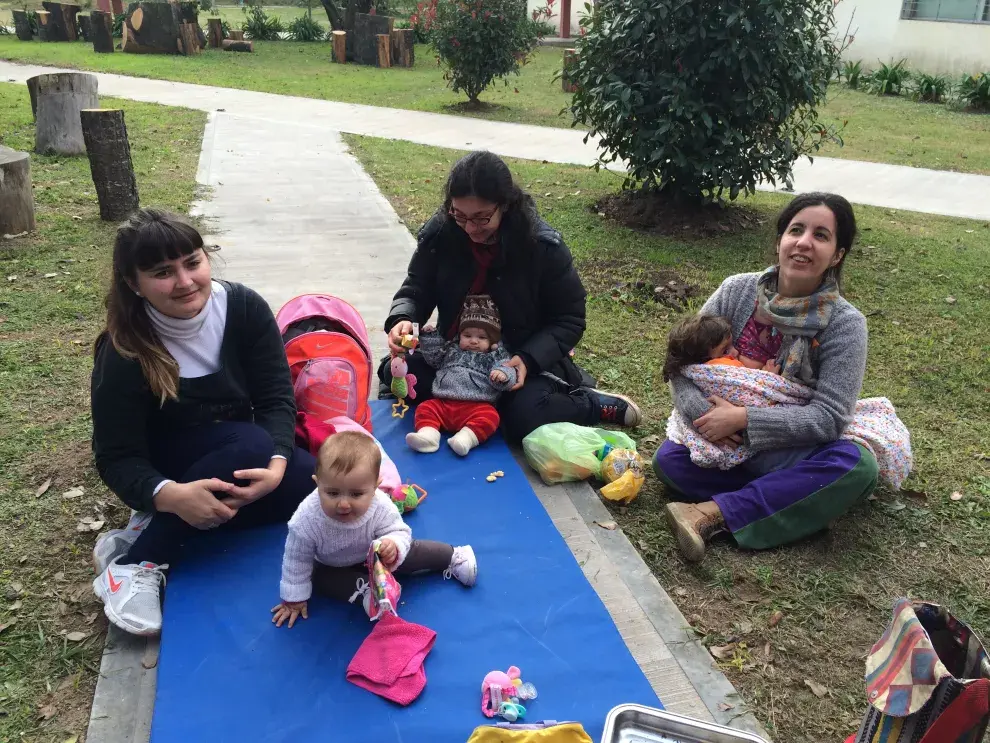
477 41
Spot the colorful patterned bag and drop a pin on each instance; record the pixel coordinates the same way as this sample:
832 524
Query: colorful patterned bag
926 680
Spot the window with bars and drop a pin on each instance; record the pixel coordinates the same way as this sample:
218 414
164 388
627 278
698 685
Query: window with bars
962 11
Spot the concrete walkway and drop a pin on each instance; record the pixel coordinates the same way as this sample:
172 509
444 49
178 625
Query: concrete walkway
892 186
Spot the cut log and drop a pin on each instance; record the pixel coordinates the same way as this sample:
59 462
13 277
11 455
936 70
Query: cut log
32 83
22 25
235 45
110 162
42 16
340 46
151 28
216 32
189 13
188 39
236 35
85 26
101 30
61 96
384 50
16 196
570 59
62 21
403 49
367 29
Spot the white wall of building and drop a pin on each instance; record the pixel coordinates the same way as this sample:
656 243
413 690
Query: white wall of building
930 46
577 11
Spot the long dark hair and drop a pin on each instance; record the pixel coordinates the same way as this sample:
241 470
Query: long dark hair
147 238
845 224
485 175
691 340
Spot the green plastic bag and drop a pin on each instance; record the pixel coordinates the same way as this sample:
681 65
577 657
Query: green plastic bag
567 452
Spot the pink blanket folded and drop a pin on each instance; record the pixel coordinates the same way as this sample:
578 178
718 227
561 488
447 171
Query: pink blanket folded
389 662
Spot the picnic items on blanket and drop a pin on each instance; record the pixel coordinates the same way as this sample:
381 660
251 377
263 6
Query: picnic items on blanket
927 680
384 589
407 497
623 470
565 452
628 722
403 383
545 731
389 662
875 425
502 692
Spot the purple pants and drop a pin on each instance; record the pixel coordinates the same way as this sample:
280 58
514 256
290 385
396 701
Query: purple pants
767 509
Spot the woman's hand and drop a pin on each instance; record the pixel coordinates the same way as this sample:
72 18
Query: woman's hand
401 328
196 502
519 365
263 481
722 421
289 610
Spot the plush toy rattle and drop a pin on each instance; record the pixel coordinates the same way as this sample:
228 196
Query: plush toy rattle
407 497
502 692
403 383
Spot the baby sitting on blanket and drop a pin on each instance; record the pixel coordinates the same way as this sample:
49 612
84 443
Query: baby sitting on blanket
701 349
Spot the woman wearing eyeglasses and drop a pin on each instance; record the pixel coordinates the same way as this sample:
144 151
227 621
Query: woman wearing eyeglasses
487 239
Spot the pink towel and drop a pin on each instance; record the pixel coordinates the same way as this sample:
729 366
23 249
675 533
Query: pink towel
389 662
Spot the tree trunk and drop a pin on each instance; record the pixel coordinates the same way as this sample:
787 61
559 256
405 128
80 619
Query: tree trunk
237 45
16 196
236 35
61 96
43 17
32 84
216 32
22 25
188 39
189 13
340 46
110 162
367 28
151 28
384 50
334 15
403 49
62 21
85 27
570 59
101 29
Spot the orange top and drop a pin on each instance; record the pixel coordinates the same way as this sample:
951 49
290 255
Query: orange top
726 361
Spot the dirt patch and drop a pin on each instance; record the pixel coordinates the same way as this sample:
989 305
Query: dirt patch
475 107
656 213
635 283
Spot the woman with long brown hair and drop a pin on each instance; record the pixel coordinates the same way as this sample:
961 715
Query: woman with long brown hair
193 412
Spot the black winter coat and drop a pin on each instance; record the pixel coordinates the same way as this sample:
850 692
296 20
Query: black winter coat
533 283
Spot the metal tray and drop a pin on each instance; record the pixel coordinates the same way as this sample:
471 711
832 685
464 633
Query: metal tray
634 723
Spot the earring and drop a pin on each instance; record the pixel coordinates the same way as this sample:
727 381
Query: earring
137 293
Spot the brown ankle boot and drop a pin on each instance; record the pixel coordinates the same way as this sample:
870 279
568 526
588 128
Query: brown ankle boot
693 525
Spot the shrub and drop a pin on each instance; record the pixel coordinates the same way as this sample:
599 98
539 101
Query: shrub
206 5
261 26
304 28
705 98
477 41
974 91
852 72
889 79
118 25
931 88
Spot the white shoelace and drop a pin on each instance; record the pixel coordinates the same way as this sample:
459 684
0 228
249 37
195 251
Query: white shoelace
362 589
147 580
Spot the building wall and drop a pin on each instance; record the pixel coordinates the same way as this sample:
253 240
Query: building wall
577 10
929 46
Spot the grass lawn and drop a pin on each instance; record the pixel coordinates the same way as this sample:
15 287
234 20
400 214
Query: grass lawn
52 285
926 354
890 130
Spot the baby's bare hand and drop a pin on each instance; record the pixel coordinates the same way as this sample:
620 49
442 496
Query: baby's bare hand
499 377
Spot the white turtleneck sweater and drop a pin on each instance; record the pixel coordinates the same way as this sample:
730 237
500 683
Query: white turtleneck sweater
195 342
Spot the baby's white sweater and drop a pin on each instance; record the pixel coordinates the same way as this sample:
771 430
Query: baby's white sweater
314 536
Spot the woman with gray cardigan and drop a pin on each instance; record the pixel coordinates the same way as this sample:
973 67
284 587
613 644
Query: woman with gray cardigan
803 476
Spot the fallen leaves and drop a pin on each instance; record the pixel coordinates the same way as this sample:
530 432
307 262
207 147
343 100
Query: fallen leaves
47 712
76 492
88 523
950 300
817 689
775 618
609 525
723 652
76 636
956 496
7 625
43 488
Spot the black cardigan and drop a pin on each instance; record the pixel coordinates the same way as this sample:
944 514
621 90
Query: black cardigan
535 286
252 384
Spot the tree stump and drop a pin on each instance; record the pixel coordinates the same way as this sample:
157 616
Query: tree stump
237 45
110 162
403 49
61 21
384 50
236 35
367 29
151 28
42 16
340 46
101 31
16 196
188 39
61 96
85 27
216 32
22 25
32 84
570 59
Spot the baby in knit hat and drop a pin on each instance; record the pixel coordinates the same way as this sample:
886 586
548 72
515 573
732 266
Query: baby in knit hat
333 528
471 374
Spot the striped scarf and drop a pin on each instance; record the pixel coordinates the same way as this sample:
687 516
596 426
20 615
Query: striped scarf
798 320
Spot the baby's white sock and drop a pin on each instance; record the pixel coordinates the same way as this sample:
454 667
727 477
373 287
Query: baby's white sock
425 440
463 441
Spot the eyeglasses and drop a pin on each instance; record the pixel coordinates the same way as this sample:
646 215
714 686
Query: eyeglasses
461 221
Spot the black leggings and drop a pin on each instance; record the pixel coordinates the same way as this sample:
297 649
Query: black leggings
541 400
424 556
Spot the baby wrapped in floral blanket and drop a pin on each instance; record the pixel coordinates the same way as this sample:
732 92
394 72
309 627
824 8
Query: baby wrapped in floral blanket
701 349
